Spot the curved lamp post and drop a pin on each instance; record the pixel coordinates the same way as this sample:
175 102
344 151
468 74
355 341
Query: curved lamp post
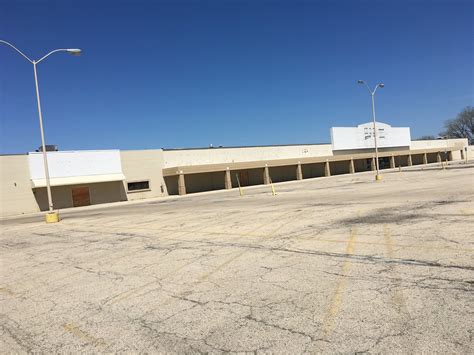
372 93
52 216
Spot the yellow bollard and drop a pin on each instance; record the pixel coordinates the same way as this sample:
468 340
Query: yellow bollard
52 217
241 191
273 187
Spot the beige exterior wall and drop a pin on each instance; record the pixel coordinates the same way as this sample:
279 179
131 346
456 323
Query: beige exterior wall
141 165
104 192
439 143
205 182
16 195
282 173
187 157
470 152
442 144
190 157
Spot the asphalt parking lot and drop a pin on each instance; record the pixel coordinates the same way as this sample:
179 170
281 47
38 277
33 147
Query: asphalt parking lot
341 264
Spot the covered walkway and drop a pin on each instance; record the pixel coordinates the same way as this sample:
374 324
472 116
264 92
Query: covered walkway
198 178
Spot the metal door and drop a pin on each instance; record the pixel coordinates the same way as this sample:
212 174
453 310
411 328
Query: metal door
81 196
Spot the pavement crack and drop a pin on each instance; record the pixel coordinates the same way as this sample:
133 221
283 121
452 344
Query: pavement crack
292 331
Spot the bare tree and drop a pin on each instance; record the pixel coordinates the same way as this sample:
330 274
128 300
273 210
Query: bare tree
462 126
426 138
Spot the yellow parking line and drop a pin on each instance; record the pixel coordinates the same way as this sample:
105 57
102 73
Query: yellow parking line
336 300
398 297
83 335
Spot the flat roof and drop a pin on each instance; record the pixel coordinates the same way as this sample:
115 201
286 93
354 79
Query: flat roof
246 146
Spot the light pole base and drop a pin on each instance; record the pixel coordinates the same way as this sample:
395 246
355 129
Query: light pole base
378 177
52 217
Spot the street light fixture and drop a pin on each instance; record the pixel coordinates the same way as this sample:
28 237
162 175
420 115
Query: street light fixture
51 216
75 51
372 93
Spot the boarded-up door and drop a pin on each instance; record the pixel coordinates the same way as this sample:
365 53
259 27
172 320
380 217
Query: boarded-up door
244 178
80 196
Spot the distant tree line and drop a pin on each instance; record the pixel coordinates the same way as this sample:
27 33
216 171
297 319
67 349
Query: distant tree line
426 138
460 127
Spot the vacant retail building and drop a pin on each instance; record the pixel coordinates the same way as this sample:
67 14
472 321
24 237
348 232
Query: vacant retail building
80 178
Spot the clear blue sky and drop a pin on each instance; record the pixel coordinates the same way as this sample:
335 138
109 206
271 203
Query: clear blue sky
191 73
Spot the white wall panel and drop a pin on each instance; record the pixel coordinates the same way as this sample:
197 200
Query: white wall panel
362 136
75 163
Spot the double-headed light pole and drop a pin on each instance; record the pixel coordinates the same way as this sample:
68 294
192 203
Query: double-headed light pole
372 93
52 216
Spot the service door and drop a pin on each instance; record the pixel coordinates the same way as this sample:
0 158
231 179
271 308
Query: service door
80 196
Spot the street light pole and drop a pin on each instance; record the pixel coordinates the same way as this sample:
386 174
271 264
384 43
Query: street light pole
53 217
43 144
375 135
372 94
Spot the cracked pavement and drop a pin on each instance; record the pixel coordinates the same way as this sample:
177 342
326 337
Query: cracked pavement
342 264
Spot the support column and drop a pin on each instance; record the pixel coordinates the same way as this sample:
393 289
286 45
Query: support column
392 162
372 164
327 169
351 166
181 184
438 157
228 180
410 161
299 172
266 175
425 158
